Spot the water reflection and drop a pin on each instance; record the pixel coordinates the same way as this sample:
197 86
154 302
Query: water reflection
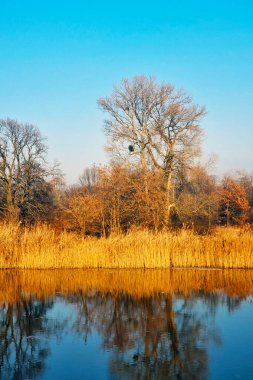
151 337
165 334
22 324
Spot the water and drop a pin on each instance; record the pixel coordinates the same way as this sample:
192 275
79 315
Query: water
126 325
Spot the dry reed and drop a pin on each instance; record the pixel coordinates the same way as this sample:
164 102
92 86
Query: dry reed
42 248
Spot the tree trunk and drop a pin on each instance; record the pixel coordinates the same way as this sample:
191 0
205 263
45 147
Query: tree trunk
169 202
12 209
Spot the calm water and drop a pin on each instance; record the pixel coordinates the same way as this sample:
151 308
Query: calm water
52 327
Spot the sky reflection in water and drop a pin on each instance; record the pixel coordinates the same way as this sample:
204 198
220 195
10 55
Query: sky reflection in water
89 332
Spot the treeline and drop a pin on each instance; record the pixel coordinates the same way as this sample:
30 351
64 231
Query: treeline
154 179
114 199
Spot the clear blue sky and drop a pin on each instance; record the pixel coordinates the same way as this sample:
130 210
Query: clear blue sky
58 57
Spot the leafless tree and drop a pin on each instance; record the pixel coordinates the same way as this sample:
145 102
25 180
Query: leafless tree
22 166
157 124
89 177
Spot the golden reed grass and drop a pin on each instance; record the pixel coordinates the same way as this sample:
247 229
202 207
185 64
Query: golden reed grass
17 284
42 248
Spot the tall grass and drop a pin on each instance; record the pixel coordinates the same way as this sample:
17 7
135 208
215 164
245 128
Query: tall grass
41 247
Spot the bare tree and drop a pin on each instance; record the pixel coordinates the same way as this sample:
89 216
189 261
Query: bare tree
81 210
157 124
89 177
22 166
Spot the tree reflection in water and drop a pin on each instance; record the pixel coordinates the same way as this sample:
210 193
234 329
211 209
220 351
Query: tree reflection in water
158 337
150 337
24 334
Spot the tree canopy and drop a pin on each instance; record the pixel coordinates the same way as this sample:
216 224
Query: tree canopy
155 122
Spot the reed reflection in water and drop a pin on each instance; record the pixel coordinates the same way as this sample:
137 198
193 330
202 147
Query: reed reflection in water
157 335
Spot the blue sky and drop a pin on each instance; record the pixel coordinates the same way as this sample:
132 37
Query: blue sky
58 57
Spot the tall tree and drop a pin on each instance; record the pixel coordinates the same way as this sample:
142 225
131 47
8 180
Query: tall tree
157 124
23 170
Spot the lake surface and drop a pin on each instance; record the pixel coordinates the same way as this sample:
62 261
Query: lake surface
170 324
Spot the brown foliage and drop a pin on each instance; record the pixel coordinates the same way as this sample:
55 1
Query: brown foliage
233 202
119 199
197 200
81 210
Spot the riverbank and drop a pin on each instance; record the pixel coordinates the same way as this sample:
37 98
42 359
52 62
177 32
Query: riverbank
41 247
